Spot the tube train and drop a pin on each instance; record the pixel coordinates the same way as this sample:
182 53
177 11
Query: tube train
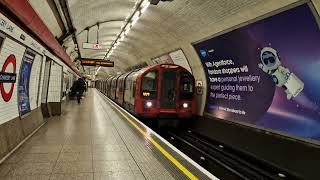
158 91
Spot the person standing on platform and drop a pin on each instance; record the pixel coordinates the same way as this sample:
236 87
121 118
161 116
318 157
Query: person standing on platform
80 87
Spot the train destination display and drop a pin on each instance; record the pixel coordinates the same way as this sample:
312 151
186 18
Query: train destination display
97 62
265 74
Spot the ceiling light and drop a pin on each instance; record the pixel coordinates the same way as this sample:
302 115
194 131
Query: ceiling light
134 21
130 21
97 70
145 5
127 30
135 17
122 37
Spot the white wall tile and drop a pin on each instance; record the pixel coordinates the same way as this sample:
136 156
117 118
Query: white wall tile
55 83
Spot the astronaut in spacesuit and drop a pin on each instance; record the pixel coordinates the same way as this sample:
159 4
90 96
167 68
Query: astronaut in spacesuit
282 77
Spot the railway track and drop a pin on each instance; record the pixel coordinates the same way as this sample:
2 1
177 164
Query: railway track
224 162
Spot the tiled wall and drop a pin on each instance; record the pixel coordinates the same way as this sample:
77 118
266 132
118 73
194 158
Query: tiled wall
55 85
9 110
45 84
34 82
13 129
41 79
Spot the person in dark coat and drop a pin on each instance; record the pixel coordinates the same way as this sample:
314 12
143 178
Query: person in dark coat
79 87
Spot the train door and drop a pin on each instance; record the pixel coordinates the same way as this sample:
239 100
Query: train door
168 89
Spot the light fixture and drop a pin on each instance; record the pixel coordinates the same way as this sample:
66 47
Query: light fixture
134 21
135 18
129 22
185 105
149 104
144 6
98 70
122 38
127 30
136 15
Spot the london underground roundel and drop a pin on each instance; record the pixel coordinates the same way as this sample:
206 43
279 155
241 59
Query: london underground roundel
8 77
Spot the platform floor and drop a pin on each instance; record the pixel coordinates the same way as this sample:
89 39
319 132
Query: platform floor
89 141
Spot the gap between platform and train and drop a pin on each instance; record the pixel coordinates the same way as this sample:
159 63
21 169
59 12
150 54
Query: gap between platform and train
183 169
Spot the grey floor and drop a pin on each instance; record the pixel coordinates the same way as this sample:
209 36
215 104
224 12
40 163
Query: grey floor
89 141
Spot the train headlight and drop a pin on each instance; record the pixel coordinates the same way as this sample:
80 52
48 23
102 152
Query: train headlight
185 105
149 104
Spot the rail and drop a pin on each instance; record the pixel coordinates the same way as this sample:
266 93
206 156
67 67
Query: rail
225 162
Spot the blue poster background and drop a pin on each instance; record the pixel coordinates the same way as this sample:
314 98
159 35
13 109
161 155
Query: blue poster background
24 81
256 99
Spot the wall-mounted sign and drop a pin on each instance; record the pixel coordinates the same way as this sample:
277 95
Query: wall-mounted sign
93 46
23 37
163 59
267 76
23 84
180 59
199 87
97 62
4 24
7 77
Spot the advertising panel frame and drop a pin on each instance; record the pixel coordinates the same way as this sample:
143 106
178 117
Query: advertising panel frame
257 128
21 89
153 59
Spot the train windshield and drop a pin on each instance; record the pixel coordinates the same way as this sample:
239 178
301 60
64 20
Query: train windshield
149 84
186 86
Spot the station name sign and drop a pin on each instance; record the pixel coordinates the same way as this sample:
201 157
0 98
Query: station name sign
97 62
7 77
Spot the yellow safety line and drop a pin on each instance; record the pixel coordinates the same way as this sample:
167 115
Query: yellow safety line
161 149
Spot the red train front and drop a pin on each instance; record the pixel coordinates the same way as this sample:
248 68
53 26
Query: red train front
163 90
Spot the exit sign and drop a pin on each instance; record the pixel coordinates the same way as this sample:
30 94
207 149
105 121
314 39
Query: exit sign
97 46
93 46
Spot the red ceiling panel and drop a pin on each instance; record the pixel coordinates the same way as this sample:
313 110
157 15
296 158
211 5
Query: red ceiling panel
24 11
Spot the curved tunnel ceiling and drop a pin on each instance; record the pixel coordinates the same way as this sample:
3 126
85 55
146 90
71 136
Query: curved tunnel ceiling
111 15
160 29
172 25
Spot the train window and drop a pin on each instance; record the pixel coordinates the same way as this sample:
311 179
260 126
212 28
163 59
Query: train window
149 84
186 85
134 89
127 84
120 84
114 84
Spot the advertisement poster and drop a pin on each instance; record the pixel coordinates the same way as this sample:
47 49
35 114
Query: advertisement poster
267 73
180 59
163 59
24 81
174 57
